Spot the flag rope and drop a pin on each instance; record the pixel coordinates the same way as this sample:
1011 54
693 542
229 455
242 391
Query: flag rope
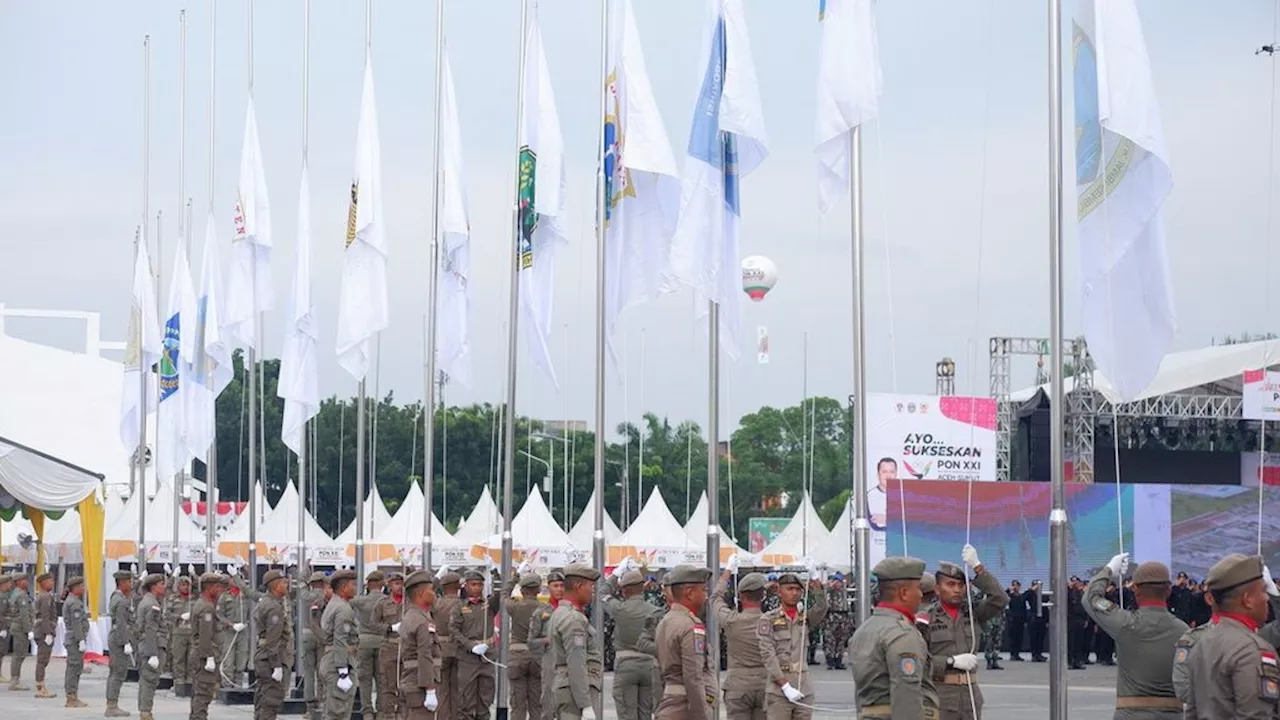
1266 348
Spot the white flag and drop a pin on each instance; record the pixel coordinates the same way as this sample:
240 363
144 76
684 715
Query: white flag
849 87
362 305
211 371
542 196
142 351
1122 177
726 143
298 385
249 284
453 345
175 369
642 185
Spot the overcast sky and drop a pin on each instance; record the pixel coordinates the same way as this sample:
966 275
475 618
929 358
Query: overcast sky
955 173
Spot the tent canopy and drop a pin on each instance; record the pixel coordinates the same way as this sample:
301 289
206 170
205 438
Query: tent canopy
583 532
834 551
376 517
483 521
42 481
800 538
406 525
696 530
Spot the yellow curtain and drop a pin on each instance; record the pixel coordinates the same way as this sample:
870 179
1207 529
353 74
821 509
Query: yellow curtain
93 520
37 522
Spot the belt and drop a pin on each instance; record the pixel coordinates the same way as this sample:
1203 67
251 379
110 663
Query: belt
623 654
792 667
1149 702
959 679
876 711
524 646
676 690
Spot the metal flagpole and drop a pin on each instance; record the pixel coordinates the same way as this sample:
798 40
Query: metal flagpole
861 521
360 395
804 447
252 385
597 509
429 405
303 565
182 228
211 468
1058 515
509 420
141 487
713 474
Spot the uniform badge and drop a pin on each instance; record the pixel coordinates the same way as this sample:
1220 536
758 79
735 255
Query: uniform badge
1102 604
466 609
700 643
908 665
273 620
1269 658
580 640
1180 655
1270 689
699 630
764 628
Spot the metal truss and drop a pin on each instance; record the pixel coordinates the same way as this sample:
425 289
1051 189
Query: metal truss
1185 406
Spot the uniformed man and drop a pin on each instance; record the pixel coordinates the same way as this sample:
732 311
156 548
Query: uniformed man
579 674
206 644
419 649
634 623
46 628
1183 649
21 627
274 654
783 634
1233 672
119 640
6 618
148 621
234 611
370 640
179 609
890 657
76 619
340 663
314 598
471 627
524 669
744 686
441 612
387 615
992 639
952 644
1145 637
928 595
689 683
540 643
837 625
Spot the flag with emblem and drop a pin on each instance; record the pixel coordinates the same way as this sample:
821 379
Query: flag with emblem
727 141
179 353
453 344
249 282
298 385
541 197
849 87
362 303
211 369
142 350
1122 179
642 186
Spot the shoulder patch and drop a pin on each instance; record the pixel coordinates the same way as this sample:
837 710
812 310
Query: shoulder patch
1268 658
699 630
700 642
580 640
909 665
1180 654
1101 604
764 628
273 620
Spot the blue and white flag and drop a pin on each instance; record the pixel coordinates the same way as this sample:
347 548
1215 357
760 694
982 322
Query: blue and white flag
211 370
726 143
173 454
1122 177
849 87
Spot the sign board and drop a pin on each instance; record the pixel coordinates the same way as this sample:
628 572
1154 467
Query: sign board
762 531
1260 392
927 437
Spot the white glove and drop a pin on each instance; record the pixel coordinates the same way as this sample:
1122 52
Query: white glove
440 573
967 662
395 628
209 665
431 703
524 567
168 569
186 616
277 674
81 646
4 633
48 640
153 662
620 569
793 695
128 649
810 569
1119 565
480 649
1272 590
31 636
732 565
970 555
238 627
589 712
191 570
344 681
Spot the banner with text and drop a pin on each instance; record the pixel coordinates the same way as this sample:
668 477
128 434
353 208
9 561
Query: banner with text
1261 395
927 437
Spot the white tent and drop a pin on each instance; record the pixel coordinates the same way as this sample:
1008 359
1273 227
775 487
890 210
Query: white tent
160 527
400 542
483 521
277 536
376 517
834 550
583 532
122 530
238 529
696 531
656 538
800 538
536 533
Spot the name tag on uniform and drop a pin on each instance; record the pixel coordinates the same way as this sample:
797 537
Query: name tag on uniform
779 622
466 609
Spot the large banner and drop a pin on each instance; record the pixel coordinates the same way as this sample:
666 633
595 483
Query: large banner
926 437
1260 395
762 531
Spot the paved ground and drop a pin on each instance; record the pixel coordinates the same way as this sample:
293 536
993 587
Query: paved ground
1019 692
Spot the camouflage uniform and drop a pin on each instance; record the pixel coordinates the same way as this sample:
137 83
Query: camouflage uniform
836 626
815 631
992 640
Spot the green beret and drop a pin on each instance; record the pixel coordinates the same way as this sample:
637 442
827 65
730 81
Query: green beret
750 582
270 577
450 578
898 568
951 570
631 577
928 584
44 576
1233 571
473 575
579 570
1151 573
392 577
375 576
555 576
341 575
74 581
416 578
122 575
531 580
213 578
317 577
789 579
149 581
689 575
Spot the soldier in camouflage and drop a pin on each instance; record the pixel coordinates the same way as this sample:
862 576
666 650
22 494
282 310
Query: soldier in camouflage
6 588
992 640
837 625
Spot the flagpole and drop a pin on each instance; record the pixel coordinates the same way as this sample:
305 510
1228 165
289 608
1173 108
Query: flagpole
141 487
861 521
300 609
360 393
1058 515
597 510
182 193
713 471
211 468
433 290
509 420
252 385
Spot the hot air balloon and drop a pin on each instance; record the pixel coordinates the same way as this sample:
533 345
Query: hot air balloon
759 275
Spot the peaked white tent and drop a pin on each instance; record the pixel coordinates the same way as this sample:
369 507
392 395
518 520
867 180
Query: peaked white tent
160 515
583 531
239 527
834 551
277 536
376 517
696 531
483 521
122 532
800 538
400 542
656 539
534 531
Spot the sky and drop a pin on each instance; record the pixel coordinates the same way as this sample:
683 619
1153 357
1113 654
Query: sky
956 169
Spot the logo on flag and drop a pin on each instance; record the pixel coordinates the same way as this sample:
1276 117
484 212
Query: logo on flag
351 213
528 206
169 359
241 228
617 178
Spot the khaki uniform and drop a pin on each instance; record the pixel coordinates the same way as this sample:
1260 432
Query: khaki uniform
783 644
579 674
689 683
6 618
1181 668
341 645
148 618
274 650
890 661
206 644
235 608
312 647
370 642
120 635
46 627
180 631
470 624
386 614
744 685
539 642
76 618
524 669
419 661
949 637
447 684
634 623
1233 674
1145 646
21 624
